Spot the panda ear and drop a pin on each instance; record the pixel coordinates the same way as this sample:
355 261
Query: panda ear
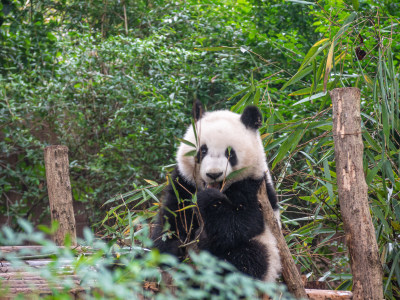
197 110
251 117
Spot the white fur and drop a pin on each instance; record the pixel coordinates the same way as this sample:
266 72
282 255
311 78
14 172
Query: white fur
220 130
274 261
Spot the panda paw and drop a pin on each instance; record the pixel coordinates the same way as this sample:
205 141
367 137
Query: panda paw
210 198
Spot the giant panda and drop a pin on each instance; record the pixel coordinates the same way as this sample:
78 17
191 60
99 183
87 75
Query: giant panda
227 220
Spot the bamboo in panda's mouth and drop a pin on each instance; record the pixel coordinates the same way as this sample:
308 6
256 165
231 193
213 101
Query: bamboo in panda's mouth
215 185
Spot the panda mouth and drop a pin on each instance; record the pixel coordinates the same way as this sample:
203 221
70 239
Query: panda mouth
214 185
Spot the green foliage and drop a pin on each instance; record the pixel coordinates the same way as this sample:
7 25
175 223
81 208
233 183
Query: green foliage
105 271
356 49
114 81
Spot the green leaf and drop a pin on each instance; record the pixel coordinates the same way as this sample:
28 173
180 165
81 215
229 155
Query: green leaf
240 92
299 75
314 51
327 175
256 97
372 173
151 195
221 48
345 26
234 174
191 153
241 101
288 146
186 207
302 2
387 167
186 142
329 64
395 265
51 37
355 4
316 96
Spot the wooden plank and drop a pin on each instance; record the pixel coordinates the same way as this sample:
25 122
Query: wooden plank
38 250
328 295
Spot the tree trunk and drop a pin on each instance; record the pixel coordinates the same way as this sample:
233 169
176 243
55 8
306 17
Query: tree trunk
289 271
59 189
353 195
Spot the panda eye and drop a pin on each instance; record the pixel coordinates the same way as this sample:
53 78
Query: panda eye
230 153
203 150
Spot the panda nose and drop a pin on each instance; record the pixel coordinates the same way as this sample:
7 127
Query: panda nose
214 175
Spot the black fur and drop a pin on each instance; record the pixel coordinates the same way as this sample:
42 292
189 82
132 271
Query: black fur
231 220
251 117
179 225
273 199
201 153
197 110
231 156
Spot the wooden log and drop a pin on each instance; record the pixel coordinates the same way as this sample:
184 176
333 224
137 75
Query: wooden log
353 195
38 250
328 295
59 189
290 273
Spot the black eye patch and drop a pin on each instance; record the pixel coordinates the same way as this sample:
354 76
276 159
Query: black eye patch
201 153
231 156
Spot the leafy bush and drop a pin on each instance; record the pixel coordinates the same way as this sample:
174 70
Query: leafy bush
105 271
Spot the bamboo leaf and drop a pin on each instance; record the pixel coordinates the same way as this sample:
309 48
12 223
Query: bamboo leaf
151 195
371 142
186 142
301 2
288 146
355 4
221 48
191 153
299 75
327 175
388 171
395 265
345 26
241 101
256 97
185 208
151 182
234 174
314 51
329 64
316 96
238 93
371 174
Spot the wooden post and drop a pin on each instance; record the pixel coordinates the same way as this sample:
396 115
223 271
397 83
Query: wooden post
289 271
59 189
353 195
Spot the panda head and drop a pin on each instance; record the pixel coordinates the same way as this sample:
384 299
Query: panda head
225 142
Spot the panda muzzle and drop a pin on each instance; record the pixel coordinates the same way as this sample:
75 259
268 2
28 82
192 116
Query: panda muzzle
215 185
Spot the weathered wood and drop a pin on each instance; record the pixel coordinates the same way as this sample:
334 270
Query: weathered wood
59 189
328 295
289 271
37 250
353 195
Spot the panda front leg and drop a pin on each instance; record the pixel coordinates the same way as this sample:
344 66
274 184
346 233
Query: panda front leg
228 230
250 258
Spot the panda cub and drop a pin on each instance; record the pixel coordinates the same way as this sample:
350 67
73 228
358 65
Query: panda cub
227 221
